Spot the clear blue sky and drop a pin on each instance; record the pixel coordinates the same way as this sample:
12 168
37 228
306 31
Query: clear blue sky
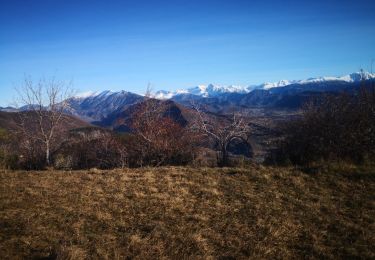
177 44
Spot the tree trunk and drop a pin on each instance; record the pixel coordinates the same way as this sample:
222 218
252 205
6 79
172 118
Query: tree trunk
48 154
224 156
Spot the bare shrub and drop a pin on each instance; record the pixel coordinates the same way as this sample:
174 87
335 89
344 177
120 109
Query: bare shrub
90 148
160 139
337 127
223 131
8 157
63 162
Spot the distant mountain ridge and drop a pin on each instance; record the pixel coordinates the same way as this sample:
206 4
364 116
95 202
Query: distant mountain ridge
96 106
212 90
99 106
8 109
121 120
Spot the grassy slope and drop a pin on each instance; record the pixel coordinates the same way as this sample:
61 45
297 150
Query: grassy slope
183 212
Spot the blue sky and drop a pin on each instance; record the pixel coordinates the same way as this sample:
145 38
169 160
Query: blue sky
177 44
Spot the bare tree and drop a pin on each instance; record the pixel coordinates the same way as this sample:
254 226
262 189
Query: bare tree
222 130
162 136
45 103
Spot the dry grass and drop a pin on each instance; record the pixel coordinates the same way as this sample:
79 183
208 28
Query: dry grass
187 213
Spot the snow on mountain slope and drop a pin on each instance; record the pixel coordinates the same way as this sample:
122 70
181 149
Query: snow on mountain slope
86 94
215 90
210 90
97 105
94 94
281 83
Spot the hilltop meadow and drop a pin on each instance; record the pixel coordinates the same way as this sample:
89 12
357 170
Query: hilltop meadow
188 213
187 130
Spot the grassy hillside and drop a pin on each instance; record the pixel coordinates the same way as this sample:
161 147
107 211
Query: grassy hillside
188 213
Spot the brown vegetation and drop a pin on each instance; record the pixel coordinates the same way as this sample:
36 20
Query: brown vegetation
184 213
334 128
90 147
223 131
24 152
46 102
161 139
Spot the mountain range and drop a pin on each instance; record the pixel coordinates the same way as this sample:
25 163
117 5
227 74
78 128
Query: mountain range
285 94
266 104
212 90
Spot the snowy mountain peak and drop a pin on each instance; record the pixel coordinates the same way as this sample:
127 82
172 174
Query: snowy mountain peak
92 94
106 93
212 90
361 75
86 94
209 90
281 83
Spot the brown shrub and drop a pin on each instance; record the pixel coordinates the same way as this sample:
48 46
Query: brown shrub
338 127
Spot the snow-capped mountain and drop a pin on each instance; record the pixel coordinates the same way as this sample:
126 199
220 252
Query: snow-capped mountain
93 106
281 83
210 90
215 90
